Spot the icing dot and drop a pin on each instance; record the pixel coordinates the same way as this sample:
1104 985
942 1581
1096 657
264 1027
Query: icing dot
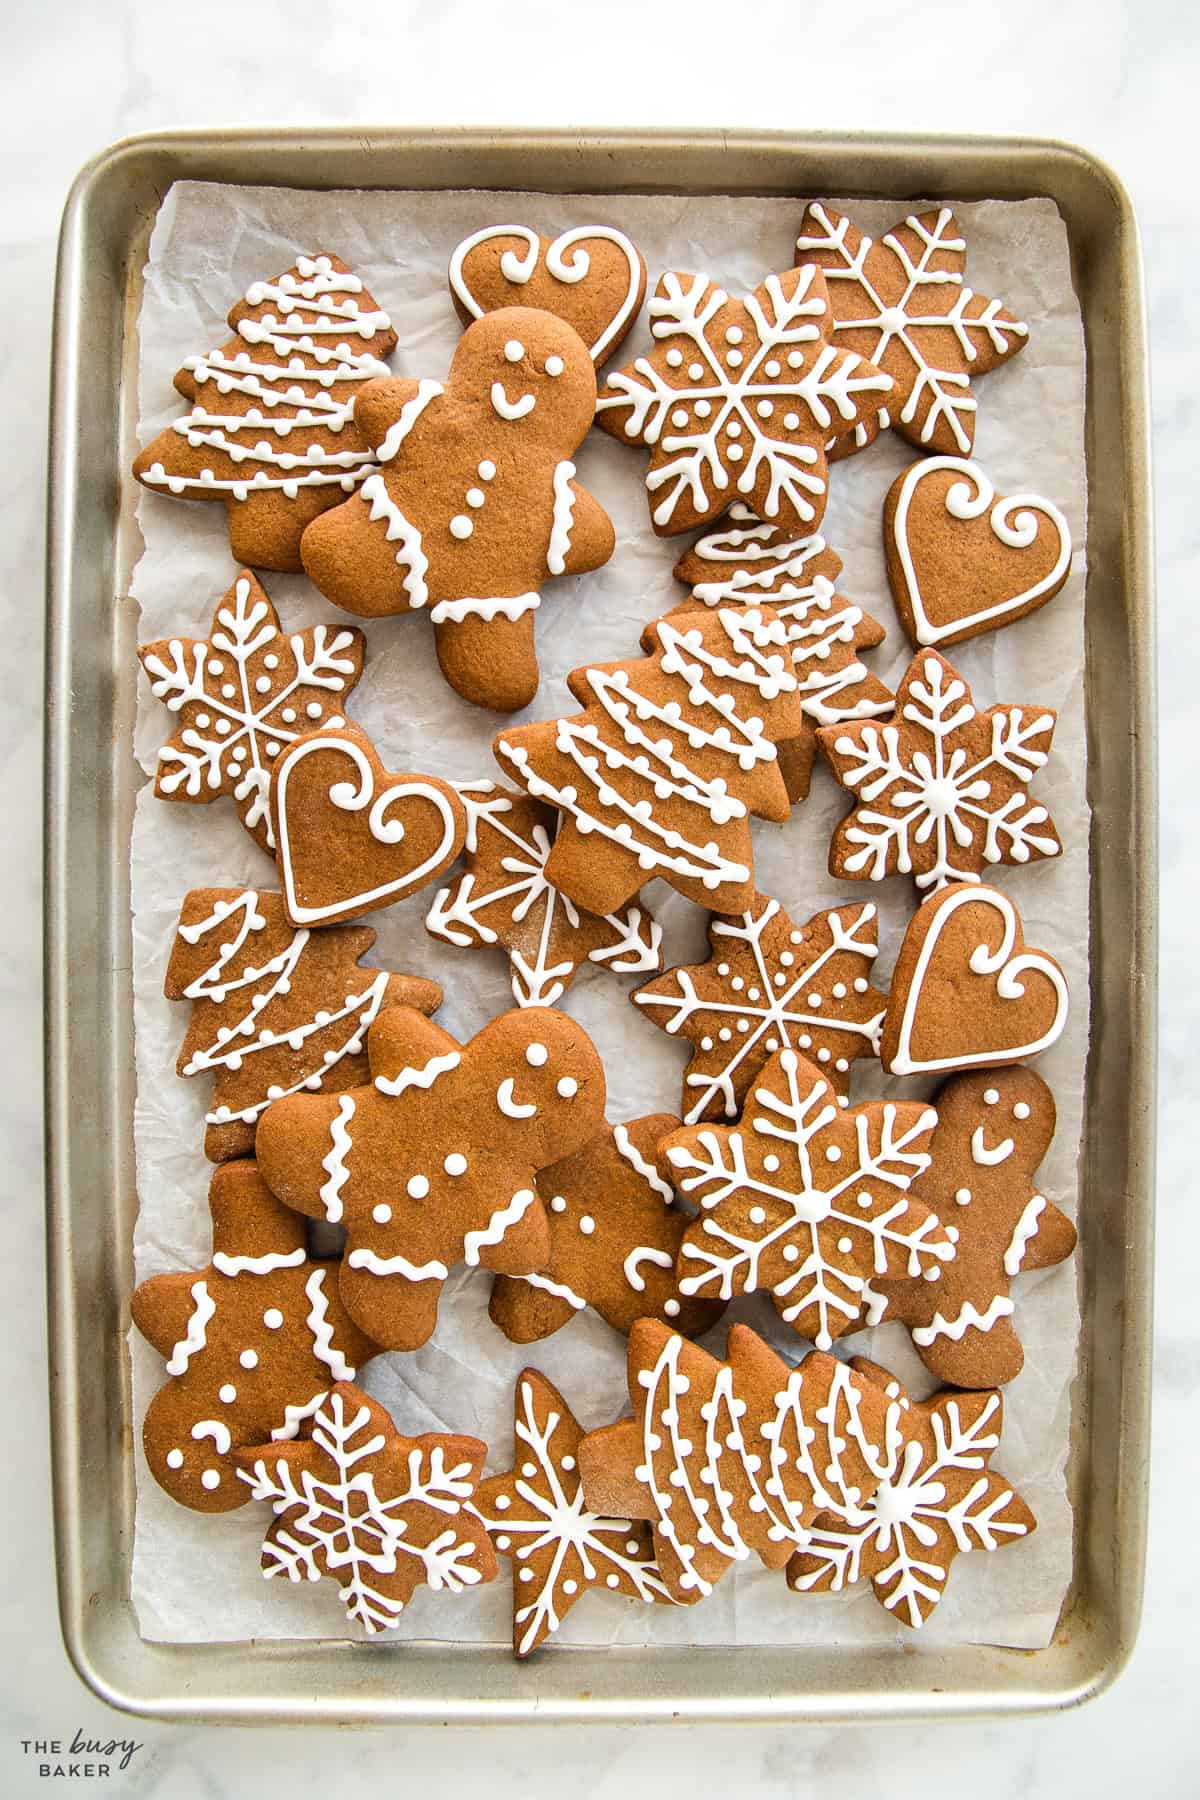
227 1394
514 350
504 1543
791 420
934 1274
228 691
558 1204
963 1196
734 452
612 1581
210 1479
764 409
537 1056
733 335
475 496
695 371
461 526
455 1163
203 720
990 1096
174 1459
632 1546
381 1213
733 358
270 662
587 1224
272 1318
674 357
313 709
288 715
249 1359
1020 1110
833 1154
814 1000
845 1246
417 1187
486 470
757 1214
839 990
570 1587
529 1470
734 428
679 416
671 1308
215 667
503 1502
554 365
568 1462
568 1087
526 1574
795 359
262 684
771 368
790 1253
861 984
703 408
770 1164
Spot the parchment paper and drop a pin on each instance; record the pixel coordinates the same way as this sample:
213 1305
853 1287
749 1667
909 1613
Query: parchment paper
197 1578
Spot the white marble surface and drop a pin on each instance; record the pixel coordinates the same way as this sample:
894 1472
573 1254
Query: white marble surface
1118 77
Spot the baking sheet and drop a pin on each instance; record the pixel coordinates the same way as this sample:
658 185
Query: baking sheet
208 243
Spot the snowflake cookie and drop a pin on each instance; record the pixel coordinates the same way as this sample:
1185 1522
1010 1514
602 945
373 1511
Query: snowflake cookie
242 695
738 398
936 1497
272 430
379 1513
942 789
746 562
537 1516
252 1341
807 1200
274 1009
770 984
904 303
732 1459
475 503
615 1232
433 1162
504 897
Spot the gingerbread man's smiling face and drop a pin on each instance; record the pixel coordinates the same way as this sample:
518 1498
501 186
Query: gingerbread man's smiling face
530 370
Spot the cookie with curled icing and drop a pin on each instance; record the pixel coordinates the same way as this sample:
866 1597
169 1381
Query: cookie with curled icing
592 276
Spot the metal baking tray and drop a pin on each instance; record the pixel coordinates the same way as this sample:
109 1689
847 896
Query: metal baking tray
91 780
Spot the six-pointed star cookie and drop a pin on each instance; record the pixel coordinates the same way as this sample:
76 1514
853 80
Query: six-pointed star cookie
941 789
904 303
537 1516
737 398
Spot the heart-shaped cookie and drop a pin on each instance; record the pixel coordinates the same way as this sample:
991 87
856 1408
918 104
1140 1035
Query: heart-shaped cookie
592 277
962 561
349 835
966 992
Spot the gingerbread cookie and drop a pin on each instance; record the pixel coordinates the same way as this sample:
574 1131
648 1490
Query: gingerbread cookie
904 303
731 1459
274 1010
615 1233
937 1497
272 430
993 1130
351 836
738 397
940 790
475 504
433 1163
966 991
252 1341
746 562
379 1513
503 897
770 984
806 1200
674 751
591 276
962 561
537 1516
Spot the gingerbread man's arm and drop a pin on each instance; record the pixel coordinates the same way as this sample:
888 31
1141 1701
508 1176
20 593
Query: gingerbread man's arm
1051 1242
380 405
162 1306
593 538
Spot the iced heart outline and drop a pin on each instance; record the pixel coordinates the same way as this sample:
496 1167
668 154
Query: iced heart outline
981 962
519 269
1019 535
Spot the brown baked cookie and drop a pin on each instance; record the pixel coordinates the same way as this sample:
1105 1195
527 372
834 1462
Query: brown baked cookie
673 753
937 1497
731 1459
966 991
770 984
251 1342
274 1010
941 790
592 276
615 1233
737 398
379 1513
536 1515
475 504
350 835
272 430
993 1129
433 1163
746 562
807 1201
961 560
904 303
504 898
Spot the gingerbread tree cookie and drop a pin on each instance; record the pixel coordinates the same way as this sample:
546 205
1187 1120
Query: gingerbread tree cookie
272 430
904 303
615 1233
673 753
252 1341
770 984
937 1497
274 1010
242 695
732 1459
433 1162
475 503
738 397
942 790
746 562
379 1513
536 1515
503 897
806 1200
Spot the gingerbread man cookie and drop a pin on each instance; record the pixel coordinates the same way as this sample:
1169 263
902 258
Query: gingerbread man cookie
475 504
592 276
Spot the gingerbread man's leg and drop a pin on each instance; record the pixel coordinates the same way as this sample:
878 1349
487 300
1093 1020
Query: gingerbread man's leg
265 528
489 658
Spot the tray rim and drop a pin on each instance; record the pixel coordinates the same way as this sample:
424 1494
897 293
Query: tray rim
175 1681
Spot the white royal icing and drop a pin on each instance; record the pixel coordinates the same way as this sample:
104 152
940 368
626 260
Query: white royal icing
1025 1229
334 1161
643 1253
628 1150
203 1308
564 267
564 516
500 1222
988 1156
967 1319
324 1348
